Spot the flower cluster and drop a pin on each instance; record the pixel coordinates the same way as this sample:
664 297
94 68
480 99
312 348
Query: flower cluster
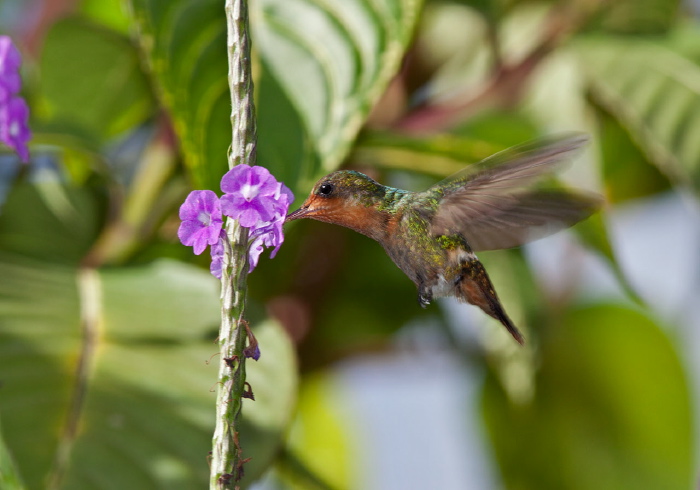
14 113
252 196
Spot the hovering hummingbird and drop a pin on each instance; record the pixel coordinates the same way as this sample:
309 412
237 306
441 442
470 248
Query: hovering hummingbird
432 235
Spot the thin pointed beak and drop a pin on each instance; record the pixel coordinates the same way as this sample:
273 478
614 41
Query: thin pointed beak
299 213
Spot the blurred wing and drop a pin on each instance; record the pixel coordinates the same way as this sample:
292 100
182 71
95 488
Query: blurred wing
488 205
509 221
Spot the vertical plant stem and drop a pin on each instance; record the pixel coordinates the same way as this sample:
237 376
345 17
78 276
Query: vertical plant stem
227 459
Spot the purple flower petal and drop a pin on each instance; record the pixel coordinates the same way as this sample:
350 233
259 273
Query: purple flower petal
200 202
10 61
14 128
248 213
251 195
201 220
249 182
217 258
256 248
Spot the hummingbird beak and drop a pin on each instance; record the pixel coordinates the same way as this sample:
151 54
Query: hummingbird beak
299 213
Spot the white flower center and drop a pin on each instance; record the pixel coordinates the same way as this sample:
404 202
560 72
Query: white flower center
14 129
249 192
204 218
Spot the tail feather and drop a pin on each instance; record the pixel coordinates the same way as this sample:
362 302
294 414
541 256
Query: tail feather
476 288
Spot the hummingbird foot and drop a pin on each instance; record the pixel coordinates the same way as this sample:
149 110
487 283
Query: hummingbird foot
424 296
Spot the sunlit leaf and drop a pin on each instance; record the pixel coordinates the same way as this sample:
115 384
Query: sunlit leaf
655 93
50 221
610 409
112 13
122 358
330 62
321 442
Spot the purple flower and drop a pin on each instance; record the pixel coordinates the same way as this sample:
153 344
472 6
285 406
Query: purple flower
14 113
201 220
250 194
253 197
14 127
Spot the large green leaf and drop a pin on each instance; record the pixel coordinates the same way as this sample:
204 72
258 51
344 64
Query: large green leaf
121 356
655 93
91 80
637 16
610 409
330 61
50 221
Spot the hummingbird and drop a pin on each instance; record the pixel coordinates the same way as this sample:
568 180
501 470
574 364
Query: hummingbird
432 236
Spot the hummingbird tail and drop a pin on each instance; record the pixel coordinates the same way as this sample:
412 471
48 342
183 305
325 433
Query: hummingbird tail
476 288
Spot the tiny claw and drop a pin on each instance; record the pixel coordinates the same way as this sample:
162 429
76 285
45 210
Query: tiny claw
424 298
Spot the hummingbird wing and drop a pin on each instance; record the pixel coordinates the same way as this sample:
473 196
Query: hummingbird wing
490 205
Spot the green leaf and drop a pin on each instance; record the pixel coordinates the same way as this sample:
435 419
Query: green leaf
440 155
111 13
637 16
330 62
655 93
594 233
610 409
50 221
627 173
444 154
122 356
91 80
320 449
9 476
334 59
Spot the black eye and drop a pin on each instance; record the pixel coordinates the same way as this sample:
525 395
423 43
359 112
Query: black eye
325 190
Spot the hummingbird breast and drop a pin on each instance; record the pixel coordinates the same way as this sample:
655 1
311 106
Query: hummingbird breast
419 254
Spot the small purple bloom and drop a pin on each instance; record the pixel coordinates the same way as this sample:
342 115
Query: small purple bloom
249 194
14 127
253 197
201 220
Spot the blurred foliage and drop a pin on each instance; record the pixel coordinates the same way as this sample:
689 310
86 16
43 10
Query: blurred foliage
106 322
585 387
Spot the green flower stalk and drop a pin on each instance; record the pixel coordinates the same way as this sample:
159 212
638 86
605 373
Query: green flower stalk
227 455
255 205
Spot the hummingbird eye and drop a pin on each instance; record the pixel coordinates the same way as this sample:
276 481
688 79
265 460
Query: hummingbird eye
325 190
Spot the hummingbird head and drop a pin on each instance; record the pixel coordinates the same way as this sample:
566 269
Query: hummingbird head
346 198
